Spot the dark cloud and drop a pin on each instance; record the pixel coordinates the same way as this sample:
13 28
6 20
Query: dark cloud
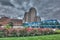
6 2
48 9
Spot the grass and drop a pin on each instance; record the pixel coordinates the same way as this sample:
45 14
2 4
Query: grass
57 31
46 37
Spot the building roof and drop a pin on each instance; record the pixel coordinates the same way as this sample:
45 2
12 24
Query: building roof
6 20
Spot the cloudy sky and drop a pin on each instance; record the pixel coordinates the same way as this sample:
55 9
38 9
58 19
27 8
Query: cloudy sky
46 9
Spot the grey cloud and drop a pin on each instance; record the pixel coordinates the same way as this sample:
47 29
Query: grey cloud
6 2
48 9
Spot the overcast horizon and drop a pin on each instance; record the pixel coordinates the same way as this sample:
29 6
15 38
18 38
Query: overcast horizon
46 9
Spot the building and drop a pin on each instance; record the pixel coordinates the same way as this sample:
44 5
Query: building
31 16
33 24
37 19
26 17
16 22
5 20
52 23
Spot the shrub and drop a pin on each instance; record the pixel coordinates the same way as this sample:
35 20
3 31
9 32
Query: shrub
16 32
1 32
57 31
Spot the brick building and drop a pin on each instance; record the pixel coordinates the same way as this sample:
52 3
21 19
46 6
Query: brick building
5 20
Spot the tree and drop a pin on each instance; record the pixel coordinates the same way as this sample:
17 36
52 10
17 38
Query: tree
9 25
0 25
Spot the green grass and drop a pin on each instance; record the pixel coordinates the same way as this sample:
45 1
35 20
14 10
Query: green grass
46 37
57 31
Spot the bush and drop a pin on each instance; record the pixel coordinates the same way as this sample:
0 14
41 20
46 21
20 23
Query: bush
17 32
57 31
1 32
